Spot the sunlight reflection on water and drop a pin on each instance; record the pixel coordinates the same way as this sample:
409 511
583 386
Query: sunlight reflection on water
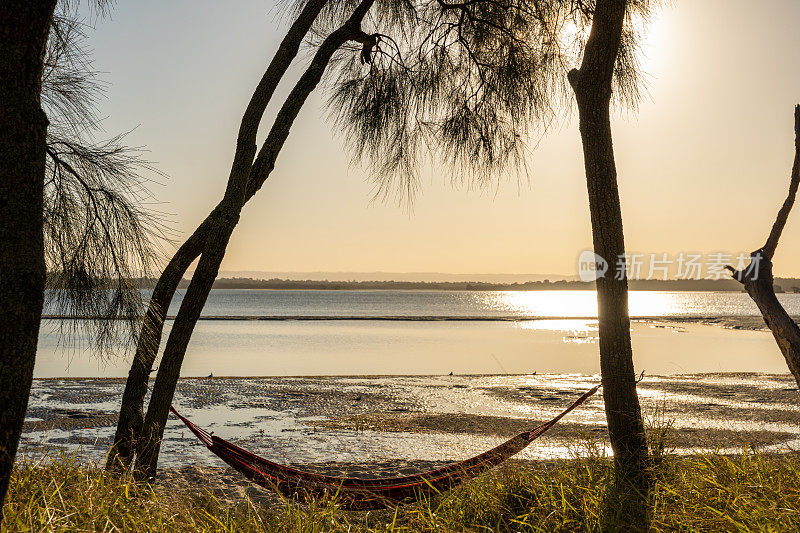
584 303
575 331
428 303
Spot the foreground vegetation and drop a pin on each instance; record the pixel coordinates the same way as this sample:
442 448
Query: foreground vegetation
707 492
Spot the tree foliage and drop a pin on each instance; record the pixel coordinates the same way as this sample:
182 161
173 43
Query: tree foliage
101 230
471 84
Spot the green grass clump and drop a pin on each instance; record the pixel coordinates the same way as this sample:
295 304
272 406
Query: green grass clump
702 492
64 495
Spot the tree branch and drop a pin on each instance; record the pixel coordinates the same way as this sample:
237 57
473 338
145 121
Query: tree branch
768 249
349 31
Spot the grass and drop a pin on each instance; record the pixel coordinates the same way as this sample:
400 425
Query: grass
703 492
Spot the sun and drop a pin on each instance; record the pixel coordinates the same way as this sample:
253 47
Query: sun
655 34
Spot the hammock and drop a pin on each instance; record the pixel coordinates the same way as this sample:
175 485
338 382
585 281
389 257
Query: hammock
361 493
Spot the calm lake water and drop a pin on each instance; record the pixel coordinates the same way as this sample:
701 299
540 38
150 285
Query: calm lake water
544 331
265 303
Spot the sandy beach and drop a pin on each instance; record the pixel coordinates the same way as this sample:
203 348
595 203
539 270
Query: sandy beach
399 424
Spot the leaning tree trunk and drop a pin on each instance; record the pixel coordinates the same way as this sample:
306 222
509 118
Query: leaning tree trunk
24 26
757 277
238 193
131 417
592 86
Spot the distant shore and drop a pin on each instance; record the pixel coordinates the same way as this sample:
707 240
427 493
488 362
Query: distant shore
704 285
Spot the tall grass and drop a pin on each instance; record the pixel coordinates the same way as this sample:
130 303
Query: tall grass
703 492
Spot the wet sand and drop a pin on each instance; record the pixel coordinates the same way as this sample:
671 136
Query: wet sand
568 432
751 323
401 424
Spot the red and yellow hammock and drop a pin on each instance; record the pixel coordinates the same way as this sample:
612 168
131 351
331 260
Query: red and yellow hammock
361 493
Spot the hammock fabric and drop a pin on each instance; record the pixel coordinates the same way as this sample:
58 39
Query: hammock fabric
361 493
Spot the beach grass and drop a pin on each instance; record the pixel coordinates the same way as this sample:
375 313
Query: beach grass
749 491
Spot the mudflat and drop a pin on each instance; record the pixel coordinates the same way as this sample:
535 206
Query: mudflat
392 424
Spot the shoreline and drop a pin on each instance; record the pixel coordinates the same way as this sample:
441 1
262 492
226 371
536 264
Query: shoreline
744 322
732 374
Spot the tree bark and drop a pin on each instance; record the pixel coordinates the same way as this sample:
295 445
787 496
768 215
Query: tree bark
592 86
238 192
24 27
757 277
131 418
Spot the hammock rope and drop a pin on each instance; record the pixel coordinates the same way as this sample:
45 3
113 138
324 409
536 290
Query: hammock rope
368 493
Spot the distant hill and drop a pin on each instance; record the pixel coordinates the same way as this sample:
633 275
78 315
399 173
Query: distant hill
395 276
781 285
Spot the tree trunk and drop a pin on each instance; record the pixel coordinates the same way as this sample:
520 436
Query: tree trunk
757 277
240 188
592 86
130 417
24 26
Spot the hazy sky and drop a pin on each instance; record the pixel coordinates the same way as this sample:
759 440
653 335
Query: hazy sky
703 166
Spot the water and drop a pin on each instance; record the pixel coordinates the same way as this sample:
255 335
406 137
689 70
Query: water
508 338
573 304
469 304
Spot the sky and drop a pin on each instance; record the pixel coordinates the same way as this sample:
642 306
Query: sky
703 165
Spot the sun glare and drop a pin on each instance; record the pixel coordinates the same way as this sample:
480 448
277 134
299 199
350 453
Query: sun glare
655 33
583 304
